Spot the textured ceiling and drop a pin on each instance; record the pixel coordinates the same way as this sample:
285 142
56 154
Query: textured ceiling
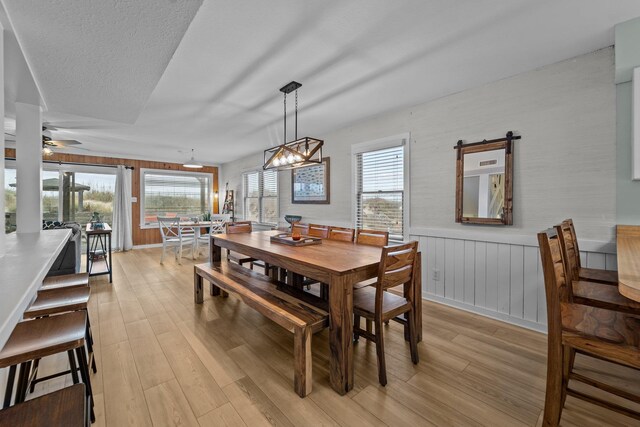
99 58
355 59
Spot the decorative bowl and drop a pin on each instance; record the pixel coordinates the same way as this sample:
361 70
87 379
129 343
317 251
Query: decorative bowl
292 218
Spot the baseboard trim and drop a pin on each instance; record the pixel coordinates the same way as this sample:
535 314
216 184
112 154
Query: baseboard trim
151 245
527 324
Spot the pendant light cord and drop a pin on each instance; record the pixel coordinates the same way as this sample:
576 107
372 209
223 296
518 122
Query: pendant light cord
296 138
285 118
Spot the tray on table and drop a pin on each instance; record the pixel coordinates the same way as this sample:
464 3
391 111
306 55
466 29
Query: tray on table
286 239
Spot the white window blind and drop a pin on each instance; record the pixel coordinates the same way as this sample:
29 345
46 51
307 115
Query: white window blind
261 196
182 195
380 191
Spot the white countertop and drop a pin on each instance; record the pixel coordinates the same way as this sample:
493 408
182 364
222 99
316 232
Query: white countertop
27 260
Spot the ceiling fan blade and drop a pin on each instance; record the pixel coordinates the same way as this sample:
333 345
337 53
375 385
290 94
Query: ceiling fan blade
63 142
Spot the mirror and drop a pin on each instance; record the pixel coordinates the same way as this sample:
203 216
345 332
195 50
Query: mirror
483 187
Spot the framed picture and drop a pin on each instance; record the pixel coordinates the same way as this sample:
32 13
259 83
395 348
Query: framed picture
310 184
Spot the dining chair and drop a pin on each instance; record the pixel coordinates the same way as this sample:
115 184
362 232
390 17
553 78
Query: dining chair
316 230
237 227
372 237
397 267
217 225
594 332
588 292
591 274
303 229
341 233
174 236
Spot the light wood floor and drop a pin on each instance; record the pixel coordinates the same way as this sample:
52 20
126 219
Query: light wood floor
163 360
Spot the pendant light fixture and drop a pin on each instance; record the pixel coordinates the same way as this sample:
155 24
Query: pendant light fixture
297 153
191 163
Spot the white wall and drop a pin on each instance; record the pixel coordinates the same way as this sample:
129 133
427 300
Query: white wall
564 166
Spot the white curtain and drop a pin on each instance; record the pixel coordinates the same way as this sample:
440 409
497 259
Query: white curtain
122 240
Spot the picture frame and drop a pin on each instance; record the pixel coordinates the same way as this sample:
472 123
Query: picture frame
311 184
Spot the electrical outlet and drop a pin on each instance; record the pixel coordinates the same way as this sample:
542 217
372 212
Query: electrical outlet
436 274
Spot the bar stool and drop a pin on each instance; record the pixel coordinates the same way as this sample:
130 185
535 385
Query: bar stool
57 301
65 281
65 407
42 337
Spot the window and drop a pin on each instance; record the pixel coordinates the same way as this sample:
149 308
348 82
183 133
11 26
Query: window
380 190
173 194
261 196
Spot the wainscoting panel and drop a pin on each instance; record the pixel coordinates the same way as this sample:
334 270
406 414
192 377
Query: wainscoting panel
498 277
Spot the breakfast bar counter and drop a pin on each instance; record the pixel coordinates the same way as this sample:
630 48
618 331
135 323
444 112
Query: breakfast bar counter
26 262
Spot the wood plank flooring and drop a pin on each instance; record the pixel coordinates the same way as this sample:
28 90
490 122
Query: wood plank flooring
164 360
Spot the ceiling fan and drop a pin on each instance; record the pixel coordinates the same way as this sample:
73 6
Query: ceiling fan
49 143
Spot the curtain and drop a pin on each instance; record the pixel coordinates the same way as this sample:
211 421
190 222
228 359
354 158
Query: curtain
122 240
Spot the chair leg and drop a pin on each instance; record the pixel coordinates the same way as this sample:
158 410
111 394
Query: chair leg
303 361
180 254
164 249
9 389
89 340
73 367
356 324
553 394
382 367
568 358
36 364
23 380
84 373
413 338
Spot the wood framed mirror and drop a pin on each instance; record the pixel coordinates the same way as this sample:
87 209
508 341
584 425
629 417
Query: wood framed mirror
484 181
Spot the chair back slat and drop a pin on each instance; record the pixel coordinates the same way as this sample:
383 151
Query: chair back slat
372 237
303 229
239 227
397 265
569 223
169 227
316 230
341 233
568 247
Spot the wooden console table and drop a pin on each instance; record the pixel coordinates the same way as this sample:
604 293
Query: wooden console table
99 251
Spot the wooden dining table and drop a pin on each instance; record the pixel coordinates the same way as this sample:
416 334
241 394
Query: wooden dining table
338 264
628 248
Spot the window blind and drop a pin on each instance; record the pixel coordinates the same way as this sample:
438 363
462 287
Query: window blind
175 195
380 191
261 196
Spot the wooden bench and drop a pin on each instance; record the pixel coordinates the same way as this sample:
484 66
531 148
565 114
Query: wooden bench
261 293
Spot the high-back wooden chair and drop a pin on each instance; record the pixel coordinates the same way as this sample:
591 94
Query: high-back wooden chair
587 292
317 230
237 227
303 229
372 237
397 267
603 334
342 234
591 274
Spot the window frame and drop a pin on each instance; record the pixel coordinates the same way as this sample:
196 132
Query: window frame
381 144
260 197
209 196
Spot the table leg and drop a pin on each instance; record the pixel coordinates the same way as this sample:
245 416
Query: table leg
197 288
341 333
417 298
88 244
110 260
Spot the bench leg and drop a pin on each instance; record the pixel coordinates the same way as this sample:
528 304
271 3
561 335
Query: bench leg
197 288
214 291
302 360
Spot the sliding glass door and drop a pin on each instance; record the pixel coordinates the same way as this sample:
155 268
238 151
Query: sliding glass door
69 193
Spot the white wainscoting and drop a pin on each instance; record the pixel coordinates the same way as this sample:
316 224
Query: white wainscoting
499 276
